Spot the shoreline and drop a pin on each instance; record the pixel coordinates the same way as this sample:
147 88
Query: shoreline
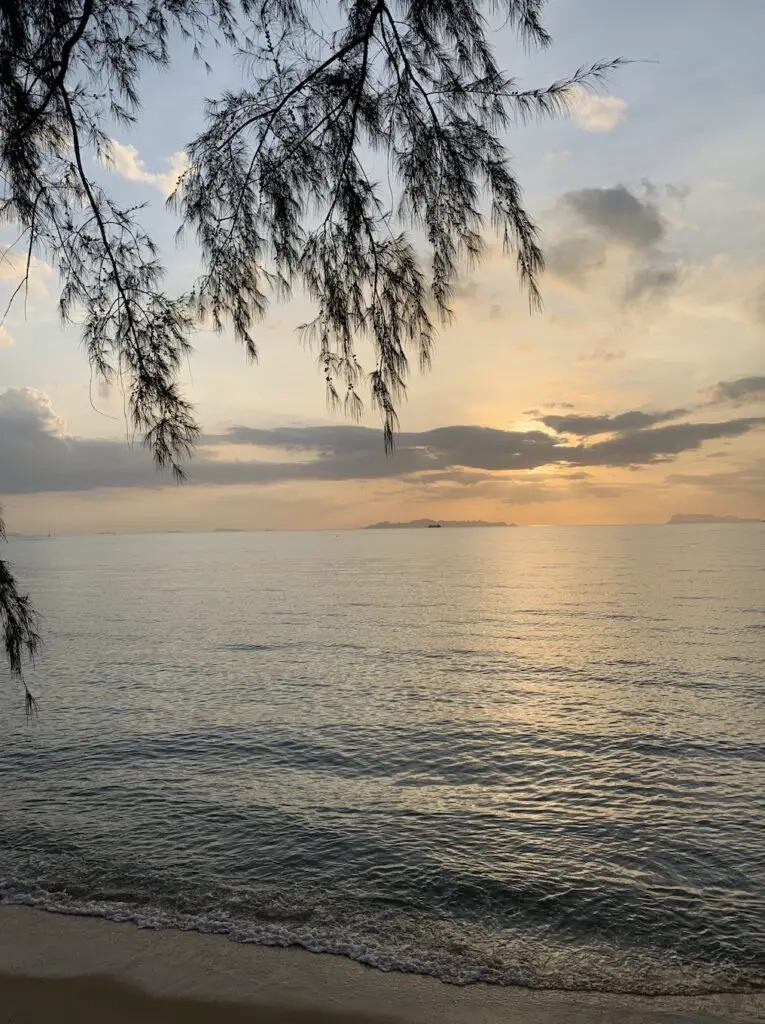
52 964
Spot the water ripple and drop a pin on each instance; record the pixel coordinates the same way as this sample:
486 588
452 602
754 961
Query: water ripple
521 757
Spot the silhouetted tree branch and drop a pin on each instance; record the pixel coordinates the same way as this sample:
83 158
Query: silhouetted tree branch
18 621
280 192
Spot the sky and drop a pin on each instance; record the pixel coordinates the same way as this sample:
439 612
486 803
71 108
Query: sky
637 393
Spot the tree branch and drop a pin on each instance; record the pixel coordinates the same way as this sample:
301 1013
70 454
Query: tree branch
85 181
66 55
273 111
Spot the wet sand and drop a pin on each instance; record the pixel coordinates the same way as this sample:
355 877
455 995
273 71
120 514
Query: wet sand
89 970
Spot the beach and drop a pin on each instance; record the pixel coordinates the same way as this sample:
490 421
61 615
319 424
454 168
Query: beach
84 969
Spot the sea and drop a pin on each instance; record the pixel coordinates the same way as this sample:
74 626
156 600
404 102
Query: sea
530 756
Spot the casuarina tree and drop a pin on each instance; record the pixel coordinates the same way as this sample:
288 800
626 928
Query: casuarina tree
357 164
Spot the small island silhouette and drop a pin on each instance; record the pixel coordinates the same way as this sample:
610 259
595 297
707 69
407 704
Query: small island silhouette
423 524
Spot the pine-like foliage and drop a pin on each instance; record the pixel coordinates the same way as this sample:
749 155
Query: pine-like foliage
18 624
280 193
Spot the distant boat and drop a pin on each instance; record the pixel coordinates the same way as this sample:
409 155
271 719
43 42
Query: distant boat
434 526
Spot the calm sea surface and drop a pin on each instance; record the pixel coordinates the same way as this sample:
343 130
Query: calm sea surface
528 756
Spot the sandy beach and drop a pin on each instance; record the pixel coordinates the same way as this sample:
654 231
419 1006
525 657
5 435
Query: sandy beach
89 969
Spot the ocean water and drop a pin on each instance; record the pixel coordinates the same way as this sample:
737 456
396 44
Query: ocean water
523 756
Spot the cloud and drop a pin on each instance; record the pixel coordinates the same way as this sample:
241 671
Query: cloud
13 266
620 230
466 289
743 389
457 485
574 258
618 216
595 113
518 490
125 160
747 480
5 338
26 409
357 452
651 283
645 447
590 426
678 192
36 454
759 307
602 356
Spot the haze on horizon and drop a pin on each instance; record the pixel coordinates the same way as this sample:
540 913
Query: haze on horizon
638 393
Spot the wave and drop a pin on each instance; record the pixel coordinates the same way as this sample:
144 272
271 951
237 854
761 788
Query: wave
546 969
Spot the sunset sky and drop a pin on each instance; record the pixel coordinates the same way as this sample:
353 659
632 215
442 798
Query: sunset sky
638 392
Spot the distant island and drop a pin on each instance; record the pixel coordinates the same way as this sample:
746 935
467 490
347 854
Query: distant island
683 519
424 524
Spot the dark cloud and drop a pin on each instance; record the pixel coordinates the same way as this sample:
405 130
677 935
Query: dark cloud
574 258
651 283
589 426
740 390
662 444
621 218
357 452
618 216
35 456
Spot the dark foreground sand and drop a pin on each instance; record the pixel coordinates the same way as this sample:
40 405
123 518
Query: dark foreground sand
91 1000
66 969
